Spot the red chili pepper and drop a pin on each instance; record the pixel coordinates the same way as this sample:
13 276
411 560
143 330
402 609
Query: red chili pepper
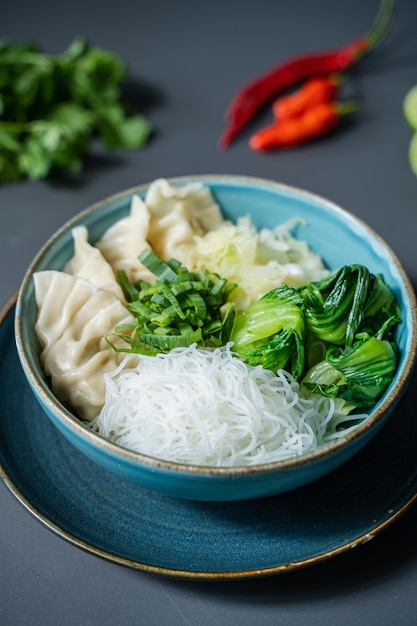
258 92
311 124
314 91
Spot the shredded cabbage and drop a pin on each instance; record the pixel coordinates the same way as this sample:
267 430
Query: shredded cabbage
256 261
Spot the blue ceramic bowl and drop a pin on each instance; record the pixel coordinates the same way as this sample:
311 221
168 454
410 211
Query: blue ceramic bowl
337 235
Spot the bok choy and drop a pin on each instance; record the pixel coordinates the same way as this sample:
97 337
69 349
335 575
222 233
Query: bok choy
272 332
349 318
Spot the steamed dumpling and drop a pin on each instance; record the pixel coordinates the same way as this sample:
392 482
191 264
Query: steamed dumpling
89 263
177 215
74 317
126 239
166 221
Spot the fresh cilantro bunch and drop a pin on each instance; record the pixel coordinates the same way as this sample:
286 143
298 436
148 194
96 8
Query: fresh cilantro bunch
52 106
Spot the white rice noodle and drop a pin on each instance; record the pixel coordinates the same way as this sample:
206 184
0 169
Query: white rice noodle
206 407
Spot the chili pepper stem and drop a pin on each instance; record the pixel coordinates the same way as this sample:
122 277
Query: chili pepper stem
382 22
347 107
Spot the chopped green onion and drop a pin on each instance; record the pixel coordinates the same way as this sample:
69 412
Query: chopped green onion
158 267
179 309
129 291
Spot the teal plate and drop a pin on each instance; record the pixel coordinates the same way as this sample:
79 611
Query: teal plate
126 524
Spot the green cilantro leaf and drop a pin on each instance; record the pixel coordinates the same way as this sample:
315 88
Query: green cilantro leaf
52 106
119 129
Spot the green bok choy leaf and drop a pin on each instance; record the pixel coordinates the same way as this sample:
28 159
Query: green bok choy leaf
352 314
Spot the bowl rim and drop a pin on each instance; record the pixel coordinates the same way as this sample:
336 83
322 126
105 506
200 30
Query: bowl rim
74 424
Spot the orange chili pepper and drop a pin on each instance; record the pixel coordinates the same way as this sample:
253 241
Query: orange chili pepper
314 91
311 124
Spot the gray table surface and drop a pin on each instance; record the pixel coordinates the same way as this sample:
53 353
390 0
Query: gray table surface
186 60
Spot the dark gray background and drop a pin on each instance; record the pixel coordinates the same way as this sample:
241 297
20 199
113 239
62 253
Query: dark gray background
186 59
